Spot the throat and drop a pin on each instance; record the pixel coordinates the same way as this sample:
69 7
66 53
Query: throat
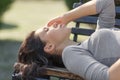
61 47
72 43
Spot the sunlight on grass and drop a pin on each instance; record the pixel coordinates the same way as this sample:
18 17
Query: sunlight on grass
22 18
28 16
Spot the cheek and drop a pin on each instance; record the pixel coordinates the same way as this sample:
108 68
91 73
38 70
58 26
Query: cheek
54 35
58 35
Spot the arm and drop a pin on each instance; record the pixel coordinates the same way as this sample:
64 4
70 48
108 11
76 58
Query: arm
88 8
106 11
105 8
114 71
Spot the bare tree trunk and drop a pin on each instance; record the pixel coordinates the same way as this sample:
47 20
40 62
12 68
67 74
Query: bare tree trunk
117 2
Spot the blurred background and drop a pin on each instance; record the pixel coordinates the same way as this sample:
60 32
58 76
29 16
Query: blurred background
17 19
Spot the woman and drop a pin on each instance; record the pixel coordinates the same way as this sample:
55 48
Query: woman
93 59
32 58
106 11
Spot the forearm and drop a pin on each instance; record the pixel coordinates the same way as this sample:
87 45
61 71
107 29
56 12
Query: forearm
88 8
114 71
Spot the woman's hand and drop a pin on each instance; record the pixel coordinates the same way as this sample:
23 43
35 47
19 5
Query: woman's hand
86 9
58 21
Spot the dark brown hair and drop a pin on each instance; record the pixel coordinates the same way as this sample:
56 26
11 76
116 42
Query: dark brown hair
32 58
31 50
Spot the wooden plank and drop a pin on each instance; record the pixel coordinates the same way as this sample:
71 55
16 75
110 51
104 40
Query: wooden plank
117 23
81 31
87 19
93 19
117 9
63 73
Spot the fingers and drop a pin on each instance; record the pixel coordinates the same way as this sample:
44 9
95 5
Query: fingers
53 21
58 21
63 25
55 25
50 23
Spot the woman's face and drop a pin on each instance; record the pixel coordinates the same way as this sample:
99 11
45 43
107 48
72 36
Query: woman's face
55 35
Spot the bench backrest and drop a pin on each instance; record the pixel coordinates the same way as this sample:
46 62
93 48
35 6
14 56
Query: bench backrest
81 31
90 20
63 74
77 30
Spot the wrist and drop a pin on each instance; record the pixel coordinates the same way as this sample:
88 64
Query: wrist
66 18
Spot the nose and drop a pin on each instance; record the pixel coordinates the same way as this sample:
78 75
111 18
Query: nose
46 29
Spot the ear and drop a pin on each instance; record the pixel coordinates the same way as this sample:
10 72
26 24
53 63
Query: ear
49 48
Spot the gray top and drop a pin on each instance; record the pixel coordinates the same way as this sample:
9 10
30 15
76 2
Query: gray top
92 58
106 9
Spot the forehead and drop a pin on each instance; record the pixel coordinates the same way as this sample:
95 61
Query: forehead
38 31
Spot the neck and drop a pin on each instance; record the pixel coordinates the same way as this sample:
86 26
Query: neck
61 47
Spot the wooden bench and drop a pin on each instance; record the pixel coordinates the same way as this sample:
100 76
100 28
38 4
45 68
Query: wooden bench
62 73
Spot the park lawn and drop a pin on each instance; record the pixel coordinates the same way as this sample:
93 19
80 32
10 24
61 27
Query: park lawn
22 18
25 16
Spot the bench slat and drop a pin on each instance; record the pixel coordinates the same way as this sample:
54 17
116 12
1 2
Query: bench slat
81 31
117 23
117 12
93 20
87 19
117 9
63 73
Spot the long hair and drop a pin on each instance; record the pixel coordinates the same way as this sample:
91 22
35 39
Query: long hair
32 58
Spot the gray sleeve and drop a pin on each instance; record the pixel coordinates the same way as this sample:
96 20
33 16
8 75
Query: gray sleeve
106 11
79 61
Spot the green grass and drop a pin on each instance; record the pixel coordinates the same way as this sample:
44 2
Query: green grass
22 18
25 16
